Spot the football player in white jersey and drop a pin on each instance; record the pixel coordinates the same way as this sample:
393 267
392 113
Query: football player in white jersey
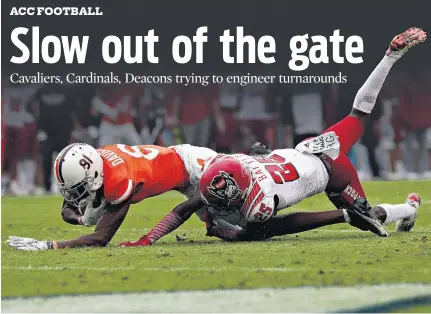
247 189
260 187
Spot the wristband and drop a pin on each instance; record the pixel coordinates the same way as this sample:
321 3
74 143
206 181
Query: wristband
52 245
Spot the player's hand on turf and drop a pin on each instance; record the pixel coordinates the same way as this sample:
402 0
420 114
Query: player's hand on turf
209 222
28 244
144 241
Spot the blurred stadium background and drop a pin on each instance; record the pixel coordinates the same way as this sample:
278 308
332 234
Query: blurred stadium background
39 120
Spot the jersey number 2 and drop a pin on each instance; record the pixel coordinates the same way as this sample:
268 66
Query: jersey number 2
137 152
280 171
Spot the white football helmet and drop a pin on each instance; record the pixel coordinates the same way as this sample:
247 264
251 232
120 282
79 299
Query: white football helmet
78 170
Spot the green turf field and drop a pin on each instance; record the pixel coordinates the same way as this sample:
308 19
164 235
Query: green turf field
330 256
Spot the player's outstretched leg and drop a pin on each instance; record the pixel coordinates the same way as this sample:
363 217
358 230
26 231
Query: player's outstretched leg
366 97
403 214
350 129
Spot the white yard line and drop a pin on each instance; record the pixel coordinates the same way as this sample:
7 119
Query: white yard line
51 268
304 299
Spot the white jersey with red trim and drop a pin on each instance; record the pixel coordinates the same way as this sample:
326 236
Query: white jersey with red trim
286 173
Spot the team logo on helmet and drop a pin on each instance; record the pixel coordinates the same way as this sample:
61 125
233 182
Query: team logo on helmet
225 187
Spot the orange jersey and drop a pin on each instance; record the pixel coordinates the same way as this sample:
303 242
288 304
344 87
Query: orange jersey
160 169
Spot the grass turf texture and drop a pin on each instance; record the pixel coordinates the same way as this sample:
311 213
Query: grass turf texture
337 255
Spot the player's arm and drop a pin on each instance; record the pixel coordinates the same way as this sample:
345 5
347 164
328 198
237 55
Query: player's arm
69 213
92 213
224 230
172 221
106 228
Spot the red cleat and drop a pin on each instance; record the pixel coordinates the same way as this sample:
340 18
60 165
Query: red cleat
406 40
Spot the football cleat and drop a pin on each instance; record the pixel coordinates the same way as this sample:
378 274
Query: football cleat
360 215
406 224
259 149
404 41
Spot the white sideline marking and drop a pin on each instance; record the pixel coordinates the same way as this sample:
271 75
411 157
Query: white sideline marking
303 299
196 269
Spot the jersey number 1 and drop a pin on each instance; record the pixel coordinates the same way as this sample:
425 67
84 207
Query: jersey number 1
280 171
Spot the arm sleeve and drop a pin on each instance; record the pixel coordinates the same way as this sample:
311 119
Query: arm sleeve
175 218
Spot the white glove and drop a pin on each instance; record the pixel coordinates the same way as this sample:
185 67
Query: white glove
28 244
92 215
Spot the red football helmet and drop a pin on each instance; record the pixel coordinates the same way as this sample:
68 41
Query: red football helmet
225 183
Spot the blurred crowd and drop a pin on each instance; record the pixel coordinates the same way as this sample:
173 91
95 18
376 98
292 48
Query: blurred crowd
39 120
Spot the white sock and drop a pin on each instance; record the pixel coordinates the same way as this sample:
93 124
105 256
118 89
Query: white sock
366 97
397 212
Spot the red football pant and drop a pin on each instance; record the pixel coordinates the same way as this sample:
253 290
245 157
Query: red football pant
344 186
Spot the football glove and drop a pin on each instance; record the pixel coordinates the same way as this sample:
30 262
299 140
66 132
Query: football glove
28 244
144 241
92 215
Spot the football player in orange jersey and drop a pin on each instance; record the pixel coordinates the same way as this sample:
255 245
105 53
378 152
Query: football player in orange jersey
100 185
